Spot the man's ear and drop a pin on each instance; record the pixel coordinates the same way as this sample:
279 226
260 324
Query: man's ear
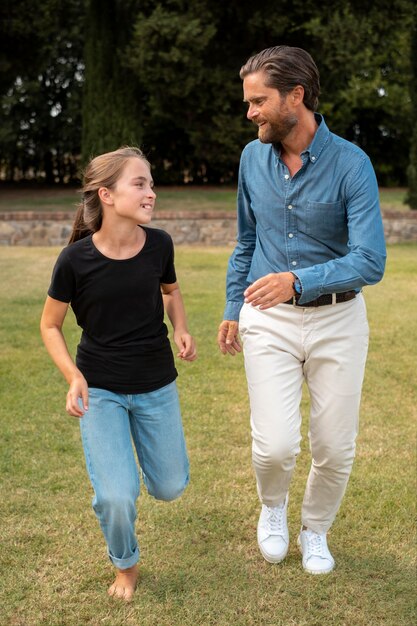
297 95
105 195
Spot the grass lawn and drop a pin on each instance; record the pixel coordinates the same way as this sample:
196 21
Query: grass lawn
168 198
200 562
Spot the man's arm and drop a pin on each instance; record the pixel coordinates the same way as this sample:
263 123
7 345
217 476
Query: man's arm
237 271
364 264
241 259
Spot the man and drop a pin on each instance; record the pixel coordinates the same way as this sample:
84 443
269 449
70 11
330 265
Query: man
310 236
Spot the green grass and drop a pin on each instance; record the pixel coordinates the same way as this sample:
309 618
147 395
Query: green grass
393 199
168 199
200 562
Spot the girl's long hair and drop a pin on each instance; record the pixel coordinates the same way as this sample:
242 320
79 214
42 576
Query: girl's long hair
102 171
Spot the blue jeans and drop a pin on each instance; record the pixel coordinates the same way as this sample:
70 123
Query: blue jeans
153 421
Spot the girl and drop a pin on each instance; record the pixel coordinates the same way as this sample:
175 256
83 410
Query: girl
118 275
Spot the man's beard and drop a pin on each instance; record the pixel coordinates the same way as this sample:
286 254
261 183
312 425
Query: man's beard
277 132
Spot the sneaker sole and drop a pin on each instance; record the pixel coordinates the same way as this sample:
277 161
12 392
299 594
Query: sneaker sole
272 559
316 572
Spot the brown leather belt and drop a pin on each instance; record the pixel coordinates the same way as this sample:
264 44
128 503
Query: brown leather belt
325 299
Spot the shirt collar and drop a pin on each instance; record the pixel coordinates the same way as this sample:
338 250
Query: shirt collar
319 140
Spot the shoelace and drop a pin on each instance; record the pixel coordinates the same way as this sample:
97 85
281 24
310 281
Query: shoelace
276 519
315 544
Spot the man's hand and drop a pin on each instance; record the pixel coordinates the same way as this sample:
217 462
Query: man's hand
228 337
270 290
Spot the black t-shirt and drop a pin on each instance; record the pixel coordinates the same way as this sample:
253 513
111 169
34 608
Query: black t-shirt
118 304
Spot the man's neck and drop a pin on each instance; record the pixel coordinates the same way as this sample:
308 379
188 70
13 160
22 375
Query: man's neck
300 136
297 141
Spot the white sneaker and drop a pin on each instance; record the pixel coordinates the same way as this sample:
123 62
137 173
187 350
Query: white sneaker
316 555
273 536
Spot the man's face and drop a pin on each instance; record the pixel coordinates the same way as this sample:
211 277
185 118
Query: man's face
270 111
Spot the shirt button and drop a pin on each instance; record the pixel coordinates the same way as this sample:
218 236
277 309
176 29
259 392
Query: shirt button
290 206
313 158
294 263
290 235
286 176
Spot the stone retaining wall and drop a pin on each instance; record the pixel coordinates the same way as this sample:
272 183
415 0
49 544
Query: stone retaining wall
211 228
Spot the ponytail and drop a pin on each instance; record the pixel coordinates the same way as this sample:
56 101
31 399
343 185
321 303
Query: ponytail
88 217
79 227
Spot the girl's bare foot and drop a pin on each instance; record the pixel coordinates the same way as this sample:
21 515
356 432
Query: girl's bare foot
124 584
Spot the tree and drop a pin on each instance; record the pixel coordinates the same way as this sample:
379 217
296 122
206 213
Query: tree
111 104
87 76
412 168
192 130
362 52
40 93
187 57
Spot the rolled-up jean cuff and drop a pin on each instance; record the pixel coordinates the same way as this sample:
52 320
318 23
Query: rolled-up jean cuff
125 563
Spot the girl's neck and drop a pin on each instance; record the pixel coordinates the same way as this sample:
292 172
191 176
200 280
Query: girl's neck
119 243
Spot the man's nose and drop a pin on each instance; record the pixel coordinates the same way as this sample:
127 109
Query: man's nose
252 112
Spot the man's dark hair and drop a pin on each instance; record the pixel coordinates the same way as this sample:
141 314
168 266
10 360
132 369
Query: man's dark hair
285 67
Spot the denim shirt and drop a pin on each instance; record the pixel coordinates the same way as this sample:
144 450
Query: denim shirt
323 224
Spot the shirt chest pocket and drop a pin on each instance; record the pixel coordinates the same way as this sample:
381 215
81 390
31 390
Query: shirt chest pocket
326 220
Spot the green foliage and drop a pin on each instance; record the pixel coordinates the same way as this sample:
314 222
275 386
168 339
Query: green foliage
412 167
362 52
23 27
41 90
166 75
111 103
189 55
192 125
412 172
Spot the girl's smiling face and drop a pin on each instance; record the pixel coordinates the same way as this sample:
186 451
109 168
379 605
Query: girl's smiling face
133 196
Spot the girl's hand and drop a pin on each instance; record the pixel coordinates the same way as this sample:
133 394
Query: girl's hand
186 346
78 390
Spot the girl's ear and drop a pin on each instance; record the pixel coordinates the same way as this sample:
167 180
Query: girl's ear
105 195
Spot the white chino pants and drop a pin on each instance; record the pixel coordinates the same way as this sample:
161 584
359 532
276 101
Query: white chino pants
326 347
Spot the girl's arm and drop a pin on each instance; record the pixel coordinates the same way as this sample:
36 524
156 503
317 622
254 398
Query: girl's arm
52 320
174 306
